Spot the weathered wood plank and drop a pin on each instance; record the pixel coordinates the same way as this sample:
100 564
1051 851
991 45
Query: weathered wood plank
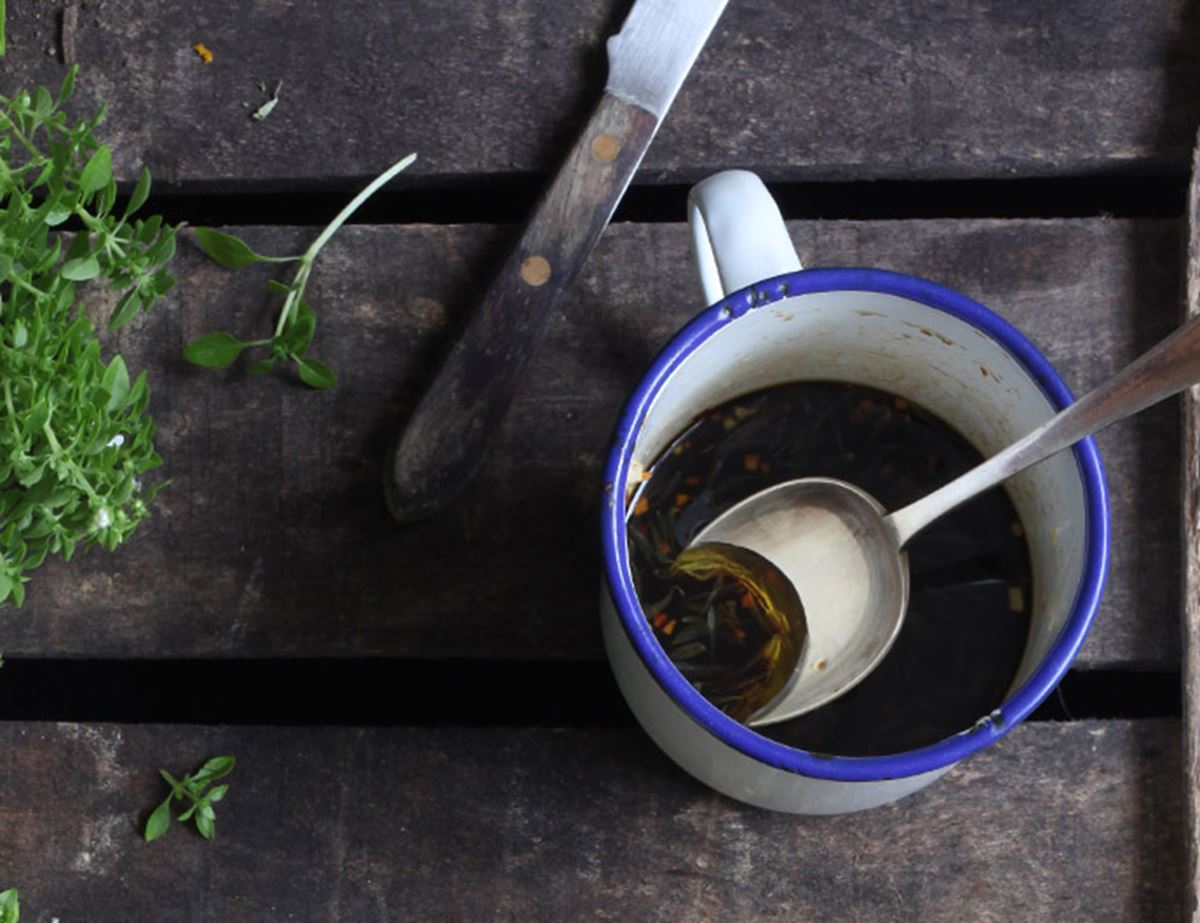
1190 531
273 539
851 90
1072 821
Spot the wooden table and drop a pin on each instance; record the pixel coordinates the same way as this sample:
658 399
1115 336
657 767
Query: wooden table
424 724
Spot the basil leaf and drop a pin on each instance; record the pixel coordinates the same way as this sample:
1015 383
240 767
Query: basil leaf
141 192
81 270
216 768
213 350
159 821
205 822
10 911
315 374
116 383
227 250
98 171
126 309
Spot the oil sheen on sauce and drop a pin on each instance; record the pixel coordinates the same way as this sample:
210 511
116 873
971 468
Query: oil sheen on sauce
968 615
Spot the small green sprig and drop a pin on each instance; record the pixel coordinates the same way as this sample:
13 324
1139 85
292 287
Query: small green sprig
10 910
75 437
192 789
297 322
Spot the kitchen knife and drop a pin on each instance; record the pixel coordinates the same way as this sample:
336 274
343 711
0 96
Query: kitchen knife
443 444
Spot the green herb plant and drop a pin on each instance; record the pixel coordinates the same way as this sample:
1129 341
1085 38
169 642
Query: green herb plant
191 789
10 911
75 438
296 322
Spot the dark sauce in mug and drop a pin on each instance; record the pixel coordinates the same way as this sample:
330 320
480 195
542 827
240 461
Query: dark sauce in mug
968 614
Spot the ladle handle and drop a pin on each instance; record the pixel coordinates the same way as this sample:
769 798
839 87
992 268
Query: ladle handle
1165 369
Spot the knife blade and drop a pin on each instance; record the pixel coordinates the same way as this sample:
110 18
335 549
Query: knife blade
443 444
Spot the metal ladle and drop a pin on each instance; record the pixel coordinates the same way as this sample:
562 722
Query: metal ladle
844 553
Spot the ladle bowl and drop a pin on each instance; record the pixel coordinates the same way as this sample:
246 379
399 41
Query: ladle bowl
827 537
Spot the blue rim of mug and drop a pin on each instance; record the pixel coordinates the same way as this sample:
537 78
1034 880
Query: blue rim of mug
731 732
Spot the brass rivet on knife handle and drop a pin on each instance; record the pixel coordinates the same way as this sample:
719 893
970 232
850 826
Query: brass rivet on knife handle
606 148
535 271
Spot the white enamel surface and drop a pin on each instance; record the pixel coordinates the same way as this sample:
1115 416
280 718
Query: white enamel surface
738 235
725 768
921 354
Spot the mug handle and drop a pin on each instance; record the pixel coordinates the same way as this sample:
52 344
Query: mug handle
738 234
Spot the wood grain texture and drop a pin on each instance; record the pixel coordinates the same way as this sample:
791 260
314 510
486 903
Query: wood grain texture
1190 531
445 440
1074 821
854 90
273 539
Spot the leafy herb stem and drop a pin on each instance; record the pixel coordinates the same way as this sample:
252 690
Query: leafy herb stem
27 286
296 289
292 297
341 217
296 321
78 478
107 238
35 156
193 788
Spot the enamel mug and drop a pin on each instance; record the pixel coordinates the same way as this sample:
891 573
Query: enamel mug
769 322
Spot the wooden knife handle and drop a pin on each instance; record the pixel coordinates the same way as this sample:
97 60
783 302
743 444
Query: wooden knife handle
443 444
